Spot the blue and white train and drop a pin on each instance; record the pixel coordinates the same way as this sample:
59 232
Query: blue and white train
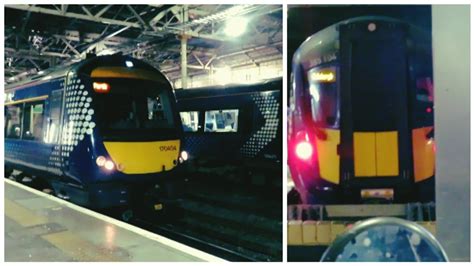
101 132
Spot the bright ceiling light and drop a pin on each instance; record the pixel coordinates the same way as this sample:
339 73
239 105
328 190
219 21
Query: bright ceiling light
223 75
235 27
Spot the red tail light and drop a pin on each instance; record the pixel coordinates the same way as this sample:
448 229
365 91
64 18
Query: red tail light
304 150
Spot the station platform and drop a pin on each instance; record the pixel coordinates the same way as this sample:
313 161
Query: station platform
40 227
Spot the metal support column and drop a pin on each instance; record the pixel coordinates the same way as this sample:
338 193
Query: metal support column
184 51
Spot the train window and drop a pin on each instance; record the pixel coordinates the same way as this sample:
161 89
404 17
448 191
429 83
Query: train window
424 90
323 92
190 121
138 105
292 93
54 119
13 121
33 115
423 107
221 120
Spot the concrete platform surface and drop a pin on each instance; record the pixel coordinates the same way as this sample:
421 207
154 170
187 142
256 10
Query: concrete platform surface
40 227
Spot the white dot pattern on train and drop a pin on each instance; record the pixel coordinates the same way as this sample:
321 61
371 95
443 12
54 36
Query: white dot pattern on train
268 107
78 122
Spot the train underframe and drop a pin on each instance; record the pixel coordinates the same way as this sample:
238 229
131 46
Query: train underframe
320 191
157 196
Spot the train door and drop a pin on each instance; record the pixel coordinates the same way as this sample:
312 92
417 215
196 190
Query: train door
375 102
53 131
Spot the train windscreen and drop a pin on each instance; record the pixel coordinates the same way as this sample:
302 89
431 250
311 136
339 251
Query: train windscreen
128 106
377 84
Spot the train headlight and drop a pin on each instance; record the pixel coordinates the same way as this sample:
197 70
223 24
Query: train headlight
109 165
100 161
304 150
184 155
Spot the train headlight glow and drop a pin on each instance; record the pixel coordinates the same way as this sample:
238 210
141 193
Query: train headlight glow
304 150
129 63
109 165
184 155
100 161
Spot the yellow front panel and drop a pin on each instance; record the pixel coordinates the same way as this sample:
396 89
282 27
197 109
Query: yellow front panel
364 154
423 154
387 153
328 157
125 72
143 157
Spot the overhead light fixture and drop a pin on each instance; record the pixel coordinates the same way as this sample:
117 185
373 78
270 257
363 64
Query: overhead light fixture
235 27
223 75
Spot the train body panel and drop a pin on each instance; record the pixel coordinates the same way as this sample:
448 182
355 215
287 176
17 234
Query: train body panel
233 124
361 105
80 130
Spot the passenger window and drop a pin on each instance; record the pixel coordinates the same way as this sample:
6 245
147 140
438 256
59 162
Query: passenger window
424 90
54 120
190 121
423 105
13 121
322 86
33 116
221 120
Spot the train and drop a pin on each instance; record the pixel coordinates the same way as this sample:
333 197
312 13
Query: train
102 133
234 127
360 118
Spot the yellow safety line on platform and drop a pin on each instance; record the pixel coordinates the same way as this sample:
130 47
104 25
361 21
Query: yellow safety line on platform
78 248
160 239
22 215
323 233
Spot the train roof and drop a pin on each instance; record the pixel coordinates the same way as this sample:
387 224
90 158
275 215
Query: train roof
85 66
327 39
230 89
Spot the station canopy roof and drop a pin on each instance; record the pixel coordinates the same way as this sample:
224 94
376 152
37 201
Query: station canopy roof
38 37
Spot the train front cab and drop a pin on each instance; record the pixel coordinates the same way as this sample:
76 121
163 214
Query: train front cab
138 130
111 135
363 123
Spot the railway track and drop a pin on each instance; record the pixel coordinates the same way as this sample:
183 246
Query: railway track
226 220
206 244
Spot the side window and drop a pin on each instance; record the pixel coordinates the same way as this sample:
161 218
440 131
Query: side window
292 93
13 121
423 107
322 86
190 121
53 121
221 120
33 116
